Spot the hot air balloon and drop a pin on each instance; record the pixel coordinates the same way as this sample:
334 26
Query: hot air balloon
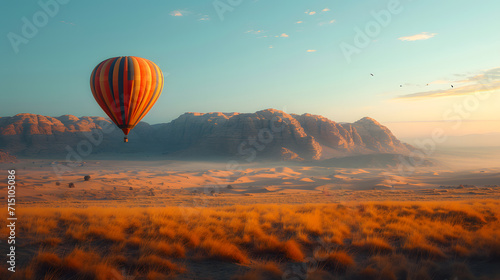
126 88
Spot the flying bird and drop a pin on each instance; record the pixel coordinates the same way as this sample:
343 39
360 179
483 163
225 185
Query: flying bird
451 86
372 74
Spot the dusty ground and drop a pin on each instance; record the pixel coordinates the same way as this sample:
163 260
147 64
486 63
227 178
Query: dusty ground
174 183
164 219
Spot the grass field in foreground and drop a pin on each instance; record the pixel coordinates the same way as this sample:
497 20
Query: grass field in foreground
372 240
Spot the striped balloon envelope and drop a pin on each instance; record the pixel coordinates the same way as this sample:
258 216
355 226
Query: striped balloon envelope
126 88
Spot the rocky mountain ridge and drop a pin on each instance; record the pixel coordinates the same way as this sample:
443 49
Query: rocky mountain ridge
268 133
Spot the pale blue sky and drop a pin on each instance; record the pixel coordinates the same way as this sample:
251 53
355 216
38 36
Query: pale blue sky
238 64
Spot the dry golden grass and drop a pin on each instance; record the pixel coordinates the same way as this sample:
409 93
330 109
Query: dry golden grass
51 242
334 260
159 264
373 240
174 250
373 245
262 271
219 249
293 251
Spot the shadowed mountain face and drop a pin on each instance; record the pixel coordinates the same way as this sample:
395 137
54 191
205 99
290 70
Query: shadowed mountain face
6 157
268 134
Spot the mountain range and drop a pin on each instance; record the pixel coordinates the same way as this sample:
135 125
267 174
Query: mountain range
265 134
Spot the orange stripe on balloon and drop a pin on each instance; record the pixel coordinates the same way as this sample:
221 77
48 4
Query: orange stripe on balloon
145 87
116 93
157 86
149 91
141 86
106 91
96 87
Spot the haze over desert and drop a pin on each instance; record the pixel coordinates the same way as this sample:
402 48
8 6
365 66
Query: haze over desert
113 215
250 140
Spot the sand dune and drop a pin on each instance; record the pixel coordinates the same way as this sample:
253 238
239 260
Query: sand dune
174 181
307 180
284 170
188 189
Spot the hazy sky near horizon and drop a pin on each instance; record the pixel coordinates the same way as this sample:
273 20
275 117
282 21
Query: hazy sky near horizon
297 56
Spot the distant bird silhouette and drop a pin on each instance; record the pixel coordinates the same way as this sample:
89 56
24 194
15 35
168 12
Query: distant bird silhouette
400 85
451 86
372 74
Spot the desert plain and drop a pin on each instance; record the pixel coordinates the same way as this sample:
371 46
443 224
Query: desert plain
156 218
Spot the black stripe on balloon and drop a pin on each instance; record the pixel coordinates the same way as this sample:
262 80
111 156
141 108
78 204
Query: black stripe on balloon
99 91
121 69
130 68
131 75
110 83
